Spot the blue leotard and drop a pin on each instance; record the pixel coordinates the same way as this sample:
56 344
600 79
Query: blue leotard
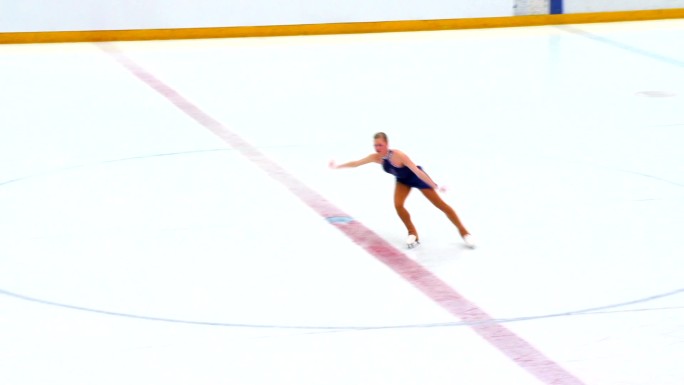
404 174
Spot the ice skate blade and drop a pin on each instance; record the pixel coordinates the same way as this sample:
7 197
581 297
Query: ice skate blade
413 245
412 241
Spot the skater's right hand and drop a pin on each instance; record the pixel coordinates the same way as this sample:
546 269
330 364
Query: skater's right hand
332 164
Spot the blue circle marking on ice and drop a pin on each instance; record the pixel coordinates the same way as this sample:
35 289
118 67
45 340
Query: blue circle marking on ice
343 220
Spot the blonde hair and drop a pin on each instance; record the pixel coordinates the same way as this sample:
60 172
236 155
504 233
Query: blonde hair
381 135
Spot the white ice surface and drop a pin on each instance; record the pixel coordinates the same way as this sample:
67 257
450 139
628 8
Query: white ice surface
569 177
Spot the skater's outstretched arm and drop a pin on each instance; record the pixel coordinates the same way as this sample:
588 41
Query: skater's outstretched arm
356 163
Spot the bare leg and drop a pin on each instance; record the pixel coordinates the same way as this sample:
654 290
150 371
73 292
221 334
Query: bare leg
401 191
436 200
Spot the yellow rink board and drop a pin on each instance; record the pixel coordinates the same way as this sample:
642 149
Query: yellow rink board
335 28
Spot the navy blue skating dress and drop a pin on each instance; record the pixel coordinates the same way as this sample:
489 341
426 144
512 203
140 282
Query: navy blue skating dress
403 174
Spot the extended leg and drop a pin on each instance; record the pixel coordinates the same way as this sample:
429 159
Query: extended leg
436 200
401 191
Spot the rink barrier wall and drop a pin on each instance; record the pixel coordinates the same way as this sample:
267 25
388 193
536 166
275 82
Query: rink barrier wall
336 28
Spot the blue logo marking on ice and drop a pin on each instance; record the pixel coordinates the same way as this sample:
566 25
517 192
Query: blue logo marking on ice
340 219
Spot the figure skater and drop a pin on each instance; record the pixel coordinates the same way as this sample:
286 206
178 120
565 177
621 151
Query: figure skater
408 176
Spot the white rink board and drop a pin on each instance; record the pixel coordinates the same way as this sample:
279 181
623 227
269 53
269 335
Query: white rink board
585 6
83 15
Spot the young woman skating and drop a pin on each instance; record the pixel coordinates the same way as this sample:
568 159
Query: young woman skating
408 176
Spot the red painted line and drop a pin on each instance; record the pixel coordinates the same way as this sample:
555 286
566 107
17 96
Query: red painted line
510 344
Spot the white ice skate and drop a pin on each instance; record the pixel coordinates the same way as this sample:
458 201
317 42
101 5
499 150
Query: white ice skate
468 241
412 241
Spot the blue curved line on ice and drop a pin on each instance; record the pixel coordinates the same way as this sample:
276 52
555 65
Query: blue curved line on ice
79 166
588 311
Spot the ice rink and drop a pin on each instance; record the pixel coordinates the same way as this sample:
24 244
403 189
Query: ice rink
167 214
